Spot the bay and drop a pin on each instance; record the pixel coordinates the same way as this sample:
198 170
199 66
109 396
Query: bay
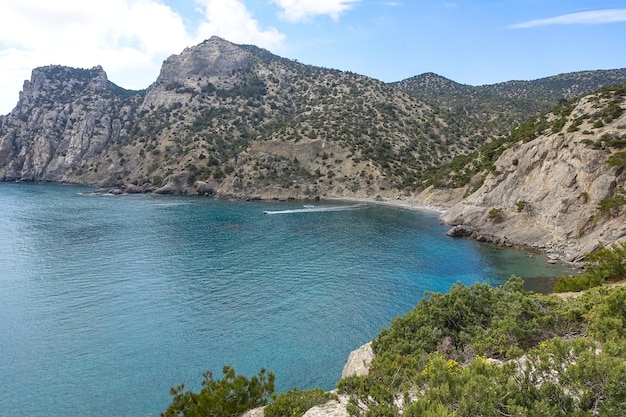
108 301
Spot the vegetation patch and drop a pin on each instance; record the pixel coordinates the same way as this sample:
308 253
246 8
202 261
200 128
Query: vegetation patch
500 351
228 396
294 403
605 264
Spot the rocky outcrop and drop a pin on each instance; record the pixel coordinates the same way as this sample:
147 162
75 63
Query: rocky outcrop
359 361
358 364
546 193
333 408
64 119
204 67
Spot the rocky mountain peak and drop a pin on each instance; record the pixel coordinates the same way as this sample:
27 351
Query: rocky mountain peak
211 60
56 83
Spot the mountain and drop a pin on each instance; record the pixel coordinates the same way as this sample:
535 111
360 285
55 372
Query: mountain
237 121
224 119
482 113
558 182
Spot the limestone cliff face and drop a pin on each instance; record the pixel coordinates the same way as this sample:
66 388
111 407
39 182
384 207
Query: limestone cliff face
546 193
210 64
64 118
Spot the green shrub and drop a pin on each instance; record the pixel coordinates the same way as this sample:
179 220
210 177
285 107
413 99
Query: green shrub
495 214
294 403
521 205
229 396
604 264
608 263
576 283
440 350
618 159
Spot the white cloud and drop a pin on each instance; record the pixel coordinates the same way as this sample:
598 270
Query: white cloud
230 19
299 10
591 17
129 38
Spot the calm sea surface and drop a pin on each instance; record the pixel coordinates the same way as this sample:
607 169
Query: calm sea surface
106 302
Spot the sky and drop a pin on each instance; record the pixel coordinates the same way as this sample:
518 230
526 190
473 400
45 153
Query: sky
469 41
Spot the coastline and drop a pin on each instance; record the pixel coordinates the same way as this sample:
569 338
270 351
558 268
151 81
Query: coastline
399 203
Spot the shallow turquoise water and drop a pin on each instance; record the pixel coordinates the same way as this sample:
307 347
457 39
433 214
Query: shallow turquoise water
106 302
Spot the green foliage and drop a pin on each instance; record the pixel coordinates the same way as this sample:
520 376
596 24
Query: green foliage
521 205
252 87
229 396
612 112
495 214
562 356
558 125
560 378
294 403
603 265
609 263
613 204
576 283
618 159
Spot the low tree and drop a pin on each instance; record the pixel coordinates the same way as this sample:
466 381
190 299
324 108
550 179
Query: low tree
229 396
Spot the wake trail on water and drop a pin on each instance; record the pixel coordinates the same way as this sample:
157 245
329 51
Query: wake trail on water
315 209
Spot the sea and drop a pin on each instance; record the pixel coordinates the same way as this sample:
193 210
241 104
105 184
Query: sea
108 301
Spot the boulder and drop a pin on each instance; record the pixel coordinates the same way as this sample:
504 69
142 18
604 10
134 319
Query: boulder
359 361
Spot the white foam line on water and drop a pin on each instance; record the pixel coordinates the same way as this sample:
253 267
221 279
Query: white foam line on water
314 209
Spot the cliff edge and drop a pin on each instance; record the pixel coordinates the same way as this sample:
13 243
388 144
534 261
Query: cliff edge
561 192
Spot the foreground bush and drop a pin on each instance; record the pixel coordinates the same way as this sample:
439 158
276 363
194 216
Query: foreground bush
294 403
488 351
605 264
229 396
478 350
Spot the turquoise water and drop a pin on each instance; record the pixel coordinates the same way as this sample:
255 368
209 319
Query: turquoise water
108 301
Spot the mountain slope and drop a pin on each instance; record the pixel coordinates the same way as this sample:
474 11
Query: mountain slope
559 188
488 111
223 118
237 121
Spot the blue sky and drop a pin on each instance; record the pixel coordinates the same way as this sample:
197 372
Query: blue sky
469 41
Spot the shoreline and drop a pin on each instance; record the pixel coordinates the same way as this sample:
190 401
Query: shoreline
399 203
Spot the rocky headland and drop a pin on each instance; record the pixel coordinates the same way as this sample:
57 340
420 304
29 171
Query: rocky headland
561 192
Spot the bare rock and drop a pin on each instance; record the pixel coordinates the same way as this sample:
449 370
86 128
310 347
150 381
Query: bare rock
359 361
255 412
333 408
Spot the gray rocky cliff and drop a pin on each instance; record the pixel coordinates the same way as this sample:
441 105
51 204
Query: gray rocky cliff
203 67
359 361
546 193
64 118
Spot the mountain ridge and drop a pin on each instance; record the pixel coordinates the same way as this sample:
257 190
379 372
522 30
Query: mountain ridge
236 121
